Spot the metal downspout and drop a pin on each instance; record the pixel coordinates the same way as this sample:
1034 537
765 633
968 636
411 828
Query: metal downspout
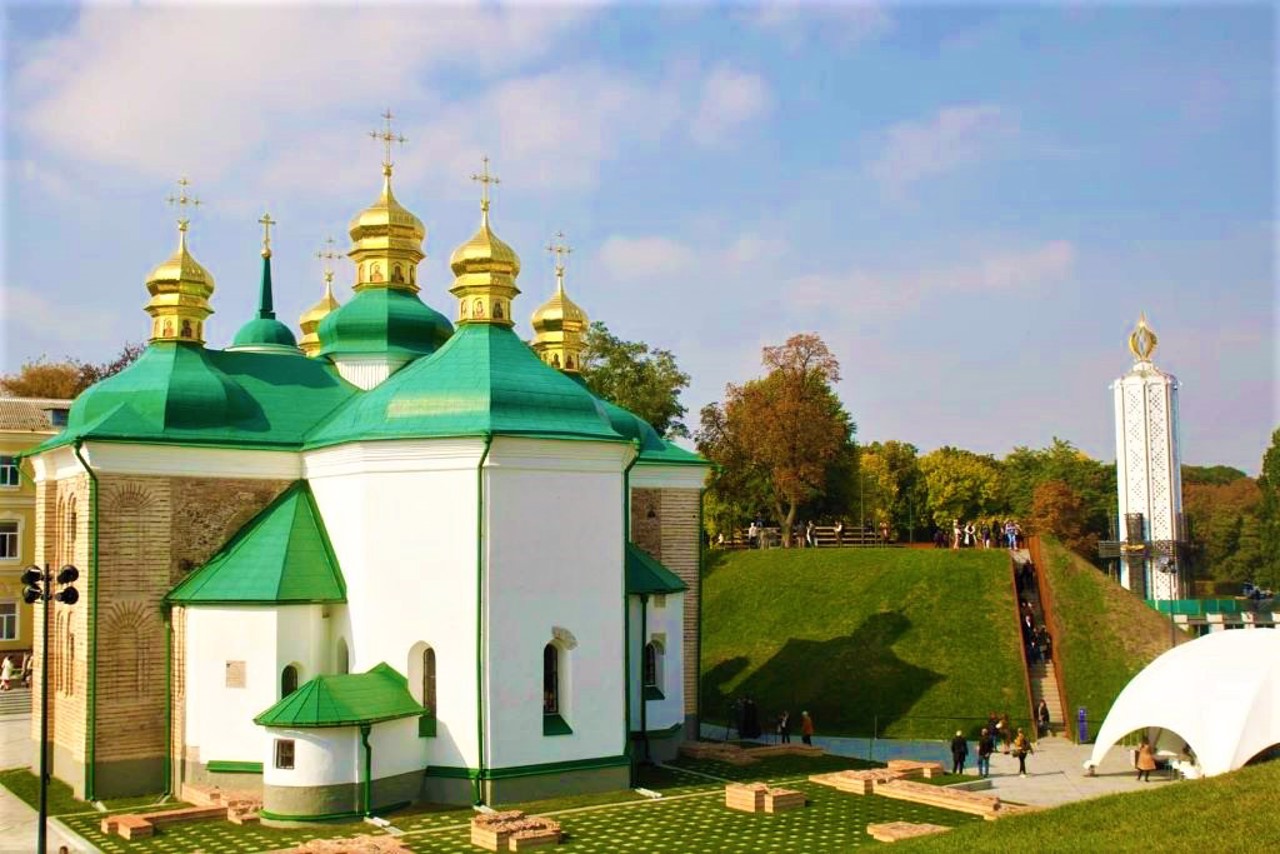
91 724
168 700
478 781
365 729
644 701
626 611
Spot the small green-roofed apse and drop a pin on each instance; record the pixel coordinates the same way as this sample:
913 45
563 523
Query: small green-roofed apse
182 393
483 381
383 321
348 699
282 556
646 575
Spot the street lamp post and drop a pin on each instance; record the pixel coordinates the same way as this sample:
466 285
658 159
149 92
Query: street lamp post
1170 569
39 588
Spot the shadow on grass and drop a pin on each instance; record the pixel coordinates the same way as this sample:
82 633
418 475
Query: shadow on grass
848 685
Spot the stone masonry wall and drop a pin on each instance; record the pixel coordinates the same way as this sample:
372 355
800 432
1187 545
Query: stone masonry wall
664 522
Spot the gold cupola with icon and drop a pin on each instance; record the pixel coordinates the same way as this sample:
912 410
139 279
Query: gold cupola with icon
386 237
309 322
485 268
559 324
179 286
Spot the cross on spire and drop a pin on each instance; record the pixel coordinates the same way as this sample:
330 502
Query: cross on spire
485 180
326 255
182 200
387 138
560 249
266 223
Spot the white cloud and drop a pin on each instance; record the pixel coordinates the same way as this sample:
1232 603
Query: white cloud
951 139
843 25
29 315
730 98
891 292
639 258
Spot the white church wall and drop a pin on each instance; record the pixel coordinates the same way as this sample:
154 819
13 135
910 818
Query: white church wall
402 520
231 677
302 641
321 757
555 552
664 624
397 749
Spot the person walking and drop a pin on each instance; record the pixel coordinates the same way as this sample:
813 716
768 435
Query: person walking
1009 534
6 673
839 529
1021 747
955 533
1146 760
810 538
784 727
1042 717
806 728
986 746
1006 732
959 752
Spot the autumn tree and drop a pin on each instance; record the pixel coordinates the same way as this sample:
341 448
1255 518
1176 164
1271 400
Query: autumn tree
646 381
776 438
960 485
1267 573
1060 511
66 379
1023 470
892 485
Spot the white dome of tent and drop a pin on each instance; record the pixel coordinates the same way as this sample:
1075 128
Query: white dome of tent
1218 695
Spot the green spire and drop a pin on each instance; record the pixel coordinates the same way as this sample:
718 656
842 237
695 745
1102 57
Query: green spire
264 333
265 309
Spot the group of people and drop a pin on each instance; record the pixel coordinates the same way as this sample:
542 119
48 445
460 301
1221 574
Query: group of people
9 671
996 734
975 535
746 715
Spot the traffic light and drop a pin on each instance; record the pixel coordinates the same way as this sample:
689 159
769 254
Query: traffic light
68 574
31 579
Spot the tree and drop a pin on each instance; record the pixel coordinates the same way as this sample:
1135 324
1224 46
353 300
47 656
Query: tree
1059 510
1216 475
1224 527
891 478
1267 572
1024 469
960 485
66 379
776 438
642 380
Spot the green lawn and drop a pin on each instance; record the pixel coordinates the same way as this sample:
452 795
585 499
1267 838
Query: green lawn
1105 634
1234 812
916 643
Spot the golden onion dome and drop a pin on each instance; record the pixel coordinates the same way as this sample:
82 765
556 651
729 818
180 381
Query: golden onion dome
559 312
318 312
386 217
485 251
180 267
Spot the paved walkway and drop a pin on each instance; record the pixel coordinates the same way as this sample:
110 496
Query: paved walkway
17 820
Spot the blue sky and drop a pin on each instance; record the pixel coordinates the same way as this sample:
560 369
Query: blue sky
970 203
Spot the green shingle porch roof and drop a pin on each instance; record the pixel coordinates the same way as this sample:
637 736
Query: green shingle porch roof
483 381
646 575
348 699
282 556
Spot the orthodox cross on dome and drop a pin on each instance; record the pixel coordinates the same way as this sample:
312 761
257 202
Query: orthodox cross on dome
560 249
1142 341
182 200
266 223
326 255
485 179
387 137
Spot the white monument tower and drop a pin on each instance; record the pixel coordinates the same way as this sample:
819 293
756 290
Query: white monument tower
1148 474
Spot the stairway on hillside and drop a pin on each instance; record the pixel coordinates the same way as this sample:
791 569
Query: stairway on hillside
15 702
1044 686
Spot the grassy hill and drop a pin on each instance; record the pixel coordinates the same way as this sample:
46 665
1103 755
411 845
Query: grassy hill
1234 812
1105 634
917 643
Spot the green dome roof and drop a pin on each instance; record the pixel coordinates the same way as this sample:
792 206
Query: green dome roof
653 448
484 381
383 321
264 333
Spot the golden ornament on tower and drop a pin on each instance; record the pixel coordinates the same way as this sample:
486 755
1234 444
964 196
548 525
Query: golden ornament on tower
559 324
1142 341
309 322
388 238
485 268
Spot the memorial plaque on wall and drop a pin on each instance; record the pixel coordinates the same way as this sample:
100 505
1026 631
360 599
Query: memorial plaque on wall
235 674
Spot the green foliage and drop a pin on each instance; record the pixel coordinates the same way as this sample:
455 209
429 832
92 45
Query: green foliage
1225 528
26 786
912 642
1024 469
66 379
1104 634
1268 515
960 485
894 487
1214 475
1233 812
645 381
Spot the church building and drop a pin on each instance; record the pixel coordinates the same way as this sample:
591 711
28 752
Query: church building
399 558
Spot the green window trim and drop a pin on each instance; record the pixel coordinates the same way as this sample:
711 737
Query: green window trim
553 724
221 766
653 692
427 725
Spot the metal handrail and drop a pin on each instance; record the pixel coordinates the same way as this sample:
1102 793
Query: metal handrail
1055 627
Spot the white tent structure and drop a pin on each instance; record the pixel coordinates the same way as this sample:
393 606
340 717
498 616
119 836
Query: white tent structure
1214 702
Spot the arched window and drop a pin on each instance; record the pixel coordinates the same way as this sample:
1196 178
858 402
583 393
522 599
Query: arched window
343 664
650 665
288 681
550 680
429 679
